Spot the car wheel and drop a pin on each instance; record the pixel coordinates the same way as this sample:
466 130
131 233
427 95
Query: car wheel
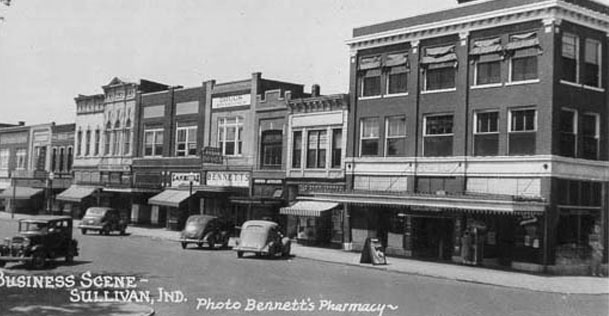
200 245
239 254
39 260
184 244
286 251
123 232
211 242
105 231
83 231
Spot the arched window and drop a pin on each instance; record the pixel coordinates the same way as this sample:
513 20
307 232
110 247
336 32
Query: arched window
69 159
54 159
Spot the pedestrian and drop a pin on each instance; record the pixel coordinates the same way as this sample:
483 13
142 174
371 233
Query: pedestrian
597 252
466 242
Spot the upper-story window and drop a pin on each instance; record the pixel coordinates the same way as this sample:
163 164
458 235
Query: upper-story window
70 159
229 135
128 135
570 57
54 159
271 147
97 142
369 136
4 154
395 139
487 55
79 143
522 131
317 144
186 141
20 154
524 50
440 67
486 133
153 142
107 142
396 69
337 146
568 133
88 143
297 149
438 135
62 158
591 135
592 65
370 76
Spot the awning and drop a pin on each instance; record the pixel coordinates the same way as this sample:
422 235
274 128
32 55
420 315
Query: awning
19 193
171 198
76 193
308 208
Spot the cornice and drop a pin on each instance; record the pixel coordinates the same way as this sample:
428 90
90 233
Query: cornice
551 10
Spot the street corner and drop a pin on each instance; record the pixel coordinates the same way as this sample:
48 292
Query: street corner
96 309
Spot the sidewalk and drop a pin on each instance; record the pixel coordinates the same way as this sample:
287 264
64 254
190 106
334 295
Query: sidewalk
550 284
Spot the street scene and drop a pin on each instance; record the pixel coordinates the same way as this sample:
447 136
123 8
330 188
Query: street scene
325 157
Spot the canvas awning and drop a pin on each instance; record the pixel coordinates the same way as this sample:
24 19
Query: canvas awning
76 193
171 198
19 193
308 208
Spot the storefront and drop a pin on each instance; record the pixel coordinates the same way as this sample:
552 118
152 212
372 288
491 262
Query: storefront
25 200
314 222
75 200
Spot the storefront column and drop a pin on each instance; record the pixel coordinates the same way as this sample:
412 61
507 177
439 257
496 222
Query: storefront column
408 235
456 257
347 243
154 215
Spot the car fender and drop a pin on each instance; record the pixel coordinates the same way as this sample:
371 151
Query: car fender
208 236
37 248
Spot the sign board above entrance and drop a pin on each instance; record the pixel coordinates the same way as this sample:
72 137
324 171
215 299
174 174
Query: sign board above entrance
184 178
228 179
212 155
231 101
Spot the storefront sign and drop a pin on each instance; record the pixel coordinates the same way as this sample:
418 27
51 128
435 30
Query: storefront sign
268 181
327 188
111 167
228 179
8 139
212 155
231 101
184 178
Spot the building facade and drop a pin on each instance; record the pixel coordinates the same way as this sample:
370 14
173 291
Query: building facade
478 135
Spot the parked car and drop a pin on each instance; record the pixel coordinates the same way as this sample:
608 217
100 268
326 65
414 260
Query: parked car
40 239
262 238
104 220
205 230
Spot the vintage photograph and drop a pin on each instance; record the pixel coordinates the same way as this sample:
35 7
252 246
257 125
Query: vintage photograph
292 157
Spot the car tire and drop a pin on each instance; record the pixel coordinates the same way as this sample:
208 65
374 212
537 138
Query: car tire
39 260
286 251
199 245
83 231
239 254
123 232
184 244
105 231
211 243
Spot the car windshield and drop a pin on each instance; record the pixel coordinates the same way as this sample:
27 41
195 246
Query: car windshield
95 212
32 227
199 220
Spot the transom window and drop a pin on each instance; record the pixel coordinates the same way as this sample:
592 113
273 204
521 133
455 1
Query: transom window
570 57
186 141
395 131
153 142
592 66
229 135
369 139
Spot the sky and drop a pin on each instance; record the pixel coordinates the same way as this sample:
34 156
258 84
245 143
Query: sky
51 51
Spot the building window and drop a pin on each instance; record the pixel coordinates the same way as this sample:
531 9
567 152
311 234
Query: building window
486 134
397 69
79 143
229 135
40 157
395 139
317 143
337 145
70 160
127 141
440 67
116 147
153 143
107 142
522 132
271 148
370 76
186 141
487 56
570 57
591 133
54 159
438 136
4 154
297 150
568 133
524 49
592 65
20 155
369 137
88 143
62 154
97 141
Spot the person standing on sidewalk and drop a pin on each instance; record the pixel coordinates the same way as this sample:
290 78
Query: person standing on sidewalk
597 252
466 242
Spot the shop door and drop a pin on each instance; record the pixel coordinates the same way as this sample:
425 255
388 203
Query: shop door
432 238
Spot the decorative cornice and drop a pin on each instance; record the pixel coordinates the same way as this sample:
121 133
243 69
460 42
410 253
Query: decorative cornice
555 10
319 104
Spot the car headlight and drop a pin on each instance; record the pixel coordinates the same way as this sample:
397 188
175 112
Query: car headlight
26 242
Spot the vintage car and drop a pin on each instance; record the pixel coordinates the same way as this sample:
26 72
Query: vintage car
104 220
262 238
205 230
40 239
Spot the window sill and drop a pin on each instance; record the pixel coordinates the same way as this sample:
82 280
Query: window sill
571 83
370 98
597 89
486 133
438 135
485 86
438 91
394 95
522 132
516 83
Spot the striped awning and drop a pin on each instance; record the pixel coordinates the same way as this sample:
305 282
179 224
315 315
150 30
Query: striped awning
76 193
172 198
19 193
308 208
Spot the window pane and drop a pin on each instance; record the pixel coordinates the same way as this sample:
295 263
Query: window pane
372 86
396 146
397 82
396 126
336 147
370 128
440 78
370 147
296 149
524 68
569 69
488 73
437 125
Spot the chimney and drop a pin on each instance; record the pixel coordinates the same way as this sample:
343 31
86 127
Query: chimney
21 123
315 90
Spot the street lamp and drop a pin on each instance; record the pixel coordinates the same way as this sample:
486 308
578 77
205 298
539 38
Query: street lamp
50 202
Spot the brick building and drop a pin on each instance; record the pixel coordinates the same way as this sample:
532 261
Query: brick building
481 132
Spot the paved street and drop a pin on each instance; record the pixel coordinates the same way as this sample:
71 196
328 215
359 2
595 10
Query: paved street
217 276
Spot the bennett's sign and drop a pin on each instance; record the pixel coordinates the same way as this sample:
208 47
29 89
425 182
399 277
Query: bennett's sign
231 101
228 179
183 178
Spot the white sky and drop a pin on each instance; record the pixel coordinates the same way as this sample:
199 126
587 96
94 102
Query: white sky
50 51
